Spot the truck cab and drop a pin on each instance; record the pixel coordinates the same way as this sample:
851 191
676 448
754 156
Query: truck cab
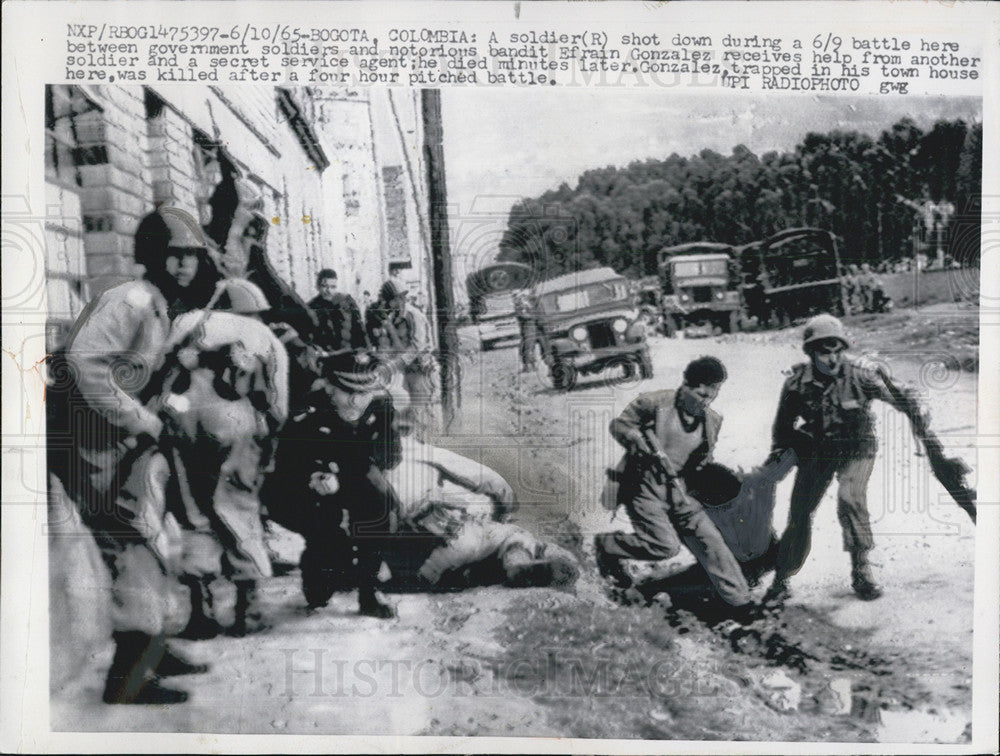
699 290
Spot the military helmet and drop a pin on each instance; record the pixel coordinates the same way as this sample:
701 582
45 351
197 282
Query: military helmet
165 228
823 327
242 296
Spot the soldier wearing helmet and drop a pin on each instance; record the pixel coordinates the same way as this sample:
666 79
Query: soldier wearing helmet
824 416
225 392
113 354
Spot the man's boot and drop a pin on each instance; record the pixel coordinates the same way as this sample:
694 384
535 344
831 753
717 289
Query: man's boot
610 567
131 678
369 562
249 618
174 665
862 580
200 626
777 594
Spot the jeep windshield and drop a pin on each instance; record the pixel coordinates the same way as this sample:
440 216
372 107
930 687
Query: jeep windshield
584 297
683 269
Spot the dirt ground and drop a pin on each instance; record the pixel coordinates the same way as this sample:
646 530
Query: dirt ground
494 661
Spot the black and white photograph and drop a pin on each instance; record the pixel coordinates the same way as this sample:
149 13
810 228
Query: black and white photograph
401 411
571 418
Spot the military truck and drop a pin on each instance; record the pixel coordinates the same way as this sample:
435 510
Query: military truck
792 274
491 301
700 288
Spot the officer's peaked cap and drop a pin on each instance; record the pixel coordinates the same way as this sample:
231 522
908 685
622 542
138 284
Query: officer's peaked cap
352 370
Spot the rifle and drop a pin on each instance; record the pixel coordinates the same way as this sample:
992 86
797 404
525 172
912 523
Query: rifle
950 471
663 462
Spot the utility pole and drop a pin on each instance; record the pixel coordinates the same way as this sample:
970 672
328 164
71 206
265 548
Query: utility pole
451 376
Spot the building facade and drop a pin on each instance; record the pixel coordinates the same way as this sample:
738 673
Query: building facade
341 172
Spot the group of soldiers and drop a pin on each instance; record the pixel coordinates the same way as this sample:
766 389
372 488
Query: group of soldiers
191 406
864 290
676 495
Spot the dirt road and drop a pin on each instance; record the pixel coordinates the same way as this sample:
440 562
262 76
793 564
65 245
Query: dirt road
491 661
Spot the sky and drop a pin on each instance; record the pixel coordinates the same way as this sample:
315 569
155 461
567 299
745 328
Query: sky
505 144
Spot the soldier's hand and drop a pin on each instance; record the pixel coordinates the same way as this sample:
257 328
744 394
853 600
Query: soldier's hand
325 483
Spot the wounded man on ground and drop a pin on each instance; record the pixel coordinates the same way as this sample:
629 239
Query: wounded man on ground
454 528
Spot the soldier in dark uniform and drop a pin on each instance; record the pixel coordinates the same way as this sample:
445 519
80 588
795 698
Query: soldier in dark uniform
340 322
332 460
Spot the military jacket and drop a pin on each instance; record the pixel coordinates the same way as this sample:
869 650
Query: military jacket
819 416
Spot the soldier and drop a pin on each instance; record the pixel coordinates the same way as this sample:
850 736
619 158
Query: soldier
341 325
332 459
407 337
227 384
467 507
852 287
870 287
830 396
115 348
669 437
526 323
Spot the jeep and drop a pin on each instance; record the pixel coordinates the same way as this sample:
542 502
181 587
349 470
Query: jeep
587 322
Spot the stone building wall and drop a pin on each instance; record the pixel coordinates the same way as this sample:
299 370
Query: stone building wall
324 160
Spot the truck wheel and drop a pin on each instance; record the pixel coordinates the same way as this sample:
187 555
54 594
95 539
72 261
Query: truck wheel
563 375
645 366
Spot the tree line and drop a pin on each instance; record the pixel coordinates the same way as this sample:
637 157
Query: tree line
862 189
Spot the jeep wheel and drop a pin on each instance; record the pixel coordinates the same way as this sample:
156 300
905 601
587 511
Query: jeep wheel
563 375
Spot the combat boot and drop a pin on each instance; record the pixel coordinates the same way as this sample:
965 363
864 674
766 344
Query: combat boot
174 665
131 678
369 562
249 618
862 580
370 606
778 594
610 567
200 625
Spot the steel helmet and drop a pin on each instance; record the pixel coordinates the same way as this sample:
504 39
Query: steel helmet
244 297
165 228
823 327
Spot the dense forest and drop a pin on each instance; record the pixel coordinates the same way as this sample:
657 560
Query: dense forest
865 190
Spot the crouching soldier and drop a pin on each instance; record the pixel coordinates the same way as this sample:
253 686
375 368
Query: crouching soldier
824 416
113 470
226 394
669 436
458 510
332 460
